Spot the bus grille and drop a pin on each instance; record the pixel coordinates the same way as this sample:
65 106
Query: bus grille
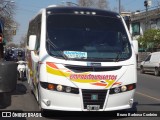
76 68
87 97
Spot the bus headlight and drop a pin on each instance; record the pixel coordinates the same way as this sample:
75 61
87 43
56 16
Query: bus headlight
123 88
68 89
59 88
117 90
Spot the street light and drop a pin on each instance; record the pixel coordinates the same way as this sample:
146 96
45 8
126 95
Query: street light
147 3
119 6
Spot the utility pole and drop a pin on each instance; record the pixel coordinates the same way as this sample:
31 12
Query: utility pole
147 3
119 6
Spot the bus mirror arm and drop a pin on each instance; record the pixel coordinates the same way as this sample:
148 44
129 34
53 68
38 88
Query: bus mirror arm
135 46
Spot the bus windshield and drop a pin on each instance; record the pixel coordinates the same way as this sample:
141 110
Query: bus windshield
87 37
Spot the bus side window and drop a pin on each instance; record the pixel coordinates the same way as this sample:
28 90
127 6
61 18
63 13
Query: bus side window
38 33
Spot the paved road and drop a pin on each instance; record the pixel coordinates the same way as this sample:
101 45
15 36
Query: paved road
147 98
148 92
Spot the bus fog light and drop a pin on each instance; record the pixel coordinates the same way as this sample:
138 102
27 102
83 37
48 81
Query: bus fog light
68 89
131 101
47 102
123 88
59 88
117 90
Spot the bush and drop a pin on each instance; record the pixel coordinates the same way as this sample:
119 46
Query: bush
150 39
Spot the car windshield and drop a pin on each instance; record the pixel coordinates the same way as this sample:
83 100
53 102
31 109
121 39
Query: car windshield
86 37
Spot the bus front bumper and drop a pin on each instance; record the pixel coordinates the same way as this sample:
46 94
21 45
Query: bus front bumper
53 100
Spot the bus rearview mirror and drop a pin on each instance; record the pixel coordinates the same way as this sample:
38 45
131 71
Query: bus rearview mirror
32 42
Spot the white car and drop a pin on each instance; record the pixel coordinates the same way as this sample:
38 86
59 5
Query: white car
151 64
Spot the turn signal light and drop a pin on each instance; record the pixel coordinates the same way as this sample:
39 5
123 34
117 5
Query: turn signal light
51 87
130 87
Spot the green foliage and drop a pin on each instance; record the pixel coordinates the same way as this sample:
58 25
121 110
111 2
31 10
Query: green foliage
150 39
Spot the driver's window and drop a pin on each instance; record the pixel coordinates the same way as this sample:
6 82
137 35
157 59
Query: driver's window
148 58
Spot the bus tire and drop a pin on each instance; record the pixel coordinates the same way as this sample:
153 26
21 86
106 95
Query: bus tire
156 72
8 75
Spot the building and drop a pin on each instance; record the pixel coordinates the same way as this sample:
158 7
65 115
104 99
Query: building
141 21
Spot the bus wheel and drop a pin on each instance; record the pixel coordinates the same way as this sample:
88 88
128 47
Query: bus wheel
156 72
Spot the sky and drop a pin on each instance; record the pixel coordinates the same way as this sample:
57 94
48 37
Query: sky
27 9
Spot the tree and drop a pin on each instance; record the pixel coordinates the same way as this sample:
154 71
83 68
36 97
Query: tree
86 3
101 4
23 42
150 39
7 10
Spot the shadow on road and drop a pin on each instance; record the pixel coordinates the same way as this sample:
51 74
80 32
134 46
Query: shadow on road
134 107
150 73
149 104
63 115
20 89
88 115
13 118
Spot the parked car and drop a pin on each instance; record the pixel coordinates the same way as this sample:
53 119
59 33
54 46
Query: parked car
151 64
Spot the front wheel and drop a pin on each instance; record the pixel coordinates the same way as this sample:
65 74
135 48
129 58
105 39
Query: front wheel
21 75
156 72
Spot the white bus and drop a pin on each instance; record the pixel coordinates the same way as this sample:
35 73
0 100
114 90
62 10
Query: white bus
81 59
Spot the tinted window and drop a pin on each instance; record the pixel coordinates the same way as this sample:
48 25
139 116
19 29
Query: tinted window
148 58
99 37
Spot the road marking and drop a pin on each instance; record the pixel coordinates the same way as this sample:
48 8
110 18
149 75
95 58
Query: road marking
148 96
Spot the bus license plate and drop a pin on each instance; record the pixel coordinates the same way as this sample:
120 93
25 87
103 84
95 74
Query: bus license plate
93 107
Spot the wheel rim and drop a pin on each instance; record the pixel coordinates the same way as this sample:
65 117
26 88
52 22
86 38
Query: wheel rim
156 71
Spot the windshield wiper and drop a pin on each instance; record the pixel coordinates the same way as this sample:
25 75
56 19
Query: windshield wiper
119 55
59 52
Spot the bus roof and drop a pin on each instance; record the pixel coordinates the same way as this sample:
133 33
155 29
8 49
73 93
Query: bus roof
81 10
